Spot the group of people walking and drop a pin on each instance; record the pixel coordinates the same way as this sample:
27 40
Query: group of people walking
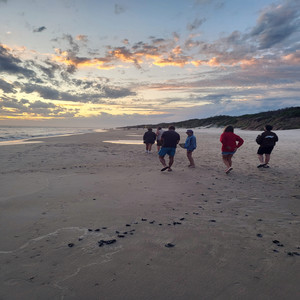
167 142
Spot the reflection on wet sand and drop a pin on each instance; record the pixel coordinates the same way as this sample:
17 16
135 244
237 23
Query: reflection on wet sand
127 142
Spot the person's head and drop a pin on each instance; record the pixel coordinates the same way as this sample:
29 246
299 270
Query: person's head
268 127
189 132
158 128
228 129
149 129
171 127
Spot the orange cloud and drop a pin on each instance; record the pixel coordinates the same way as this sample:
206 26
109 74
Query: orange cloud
293 58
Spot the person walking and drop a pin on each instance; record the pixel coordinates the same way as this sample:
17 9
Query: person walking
149 139
170 139
159 133
230 143
190 145
266 141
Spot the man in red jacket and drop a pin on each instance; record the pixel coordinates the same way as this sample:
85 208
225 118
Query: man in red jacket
230 143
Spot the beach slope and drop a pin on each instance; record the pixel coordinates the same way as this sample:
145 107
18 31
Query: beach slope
85 219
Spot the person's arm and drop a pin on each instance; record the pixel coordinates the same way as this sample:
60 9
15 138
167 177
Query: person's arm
193 142
221 138
240 141
187 143
259 139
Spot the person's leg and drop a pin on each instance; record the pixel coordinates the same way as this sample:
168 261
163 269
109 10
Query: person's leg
171 161
267 158
158 145
260 158
162 160
190 158
230 160
225 160
149 147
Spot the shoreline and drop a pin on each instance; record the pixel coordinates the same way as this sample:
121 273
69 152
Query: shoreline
82 218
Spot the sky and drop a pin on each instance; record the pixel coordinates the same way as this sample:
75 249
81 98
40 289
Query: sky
103 64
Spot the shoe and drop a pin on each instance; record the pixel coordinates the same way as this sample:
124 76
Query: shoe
228 170
266 166
261 165
164 169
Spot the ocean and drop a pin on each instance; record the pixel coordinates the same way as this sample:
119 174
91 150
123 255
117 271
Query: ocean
11 133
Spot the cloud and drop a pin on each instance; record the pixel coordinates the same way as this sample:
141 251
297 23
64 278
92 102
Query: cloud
82 37
6 87
40 29
119 9
104 92
276 24
13 108
12 65
195 24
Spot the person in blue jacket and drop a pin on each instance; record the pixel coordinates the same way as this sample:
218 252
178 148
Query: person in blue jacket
190 145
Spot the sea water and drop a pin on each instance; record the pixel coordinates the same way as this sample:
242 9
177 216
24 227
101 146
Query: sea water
12 133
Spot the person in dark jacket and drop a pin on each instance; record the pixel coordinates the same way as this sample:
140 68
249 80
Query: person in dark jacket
149 139
266 141
170 139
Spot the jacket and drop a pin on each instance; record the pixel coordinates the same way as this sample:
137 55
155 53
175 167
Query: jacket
230 141
149 137
267 139
190 143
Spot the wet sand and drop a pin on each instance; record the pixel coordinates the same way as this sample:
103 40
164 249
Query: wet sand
85 219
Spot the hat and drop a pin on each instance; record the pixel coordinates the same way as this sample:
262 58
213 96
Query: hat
190 131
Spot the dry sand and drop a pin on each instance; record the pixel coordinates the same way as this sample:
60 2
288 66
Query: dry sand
235 236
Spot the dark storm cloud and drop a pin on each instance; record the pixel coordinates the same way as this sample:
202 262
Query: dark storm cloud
277 24
40 29
12 65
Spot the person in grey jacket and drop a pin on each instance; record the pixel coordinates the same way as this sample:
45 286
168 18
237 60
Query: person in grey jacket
266 141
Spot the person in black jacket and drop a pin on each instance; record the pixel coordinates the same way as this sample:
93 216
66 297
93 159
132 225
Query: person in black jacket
266 141
149 139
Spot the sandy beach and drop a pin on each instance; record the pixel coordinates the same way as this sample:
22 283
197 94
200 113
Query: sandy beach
82 218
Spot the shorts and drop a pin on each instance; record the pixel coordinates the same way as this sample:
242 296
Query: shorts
265 150
167 150
159 143
227 153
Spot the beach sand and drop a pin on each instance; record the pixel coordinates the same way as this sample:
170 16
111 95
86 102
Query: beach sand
234 236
